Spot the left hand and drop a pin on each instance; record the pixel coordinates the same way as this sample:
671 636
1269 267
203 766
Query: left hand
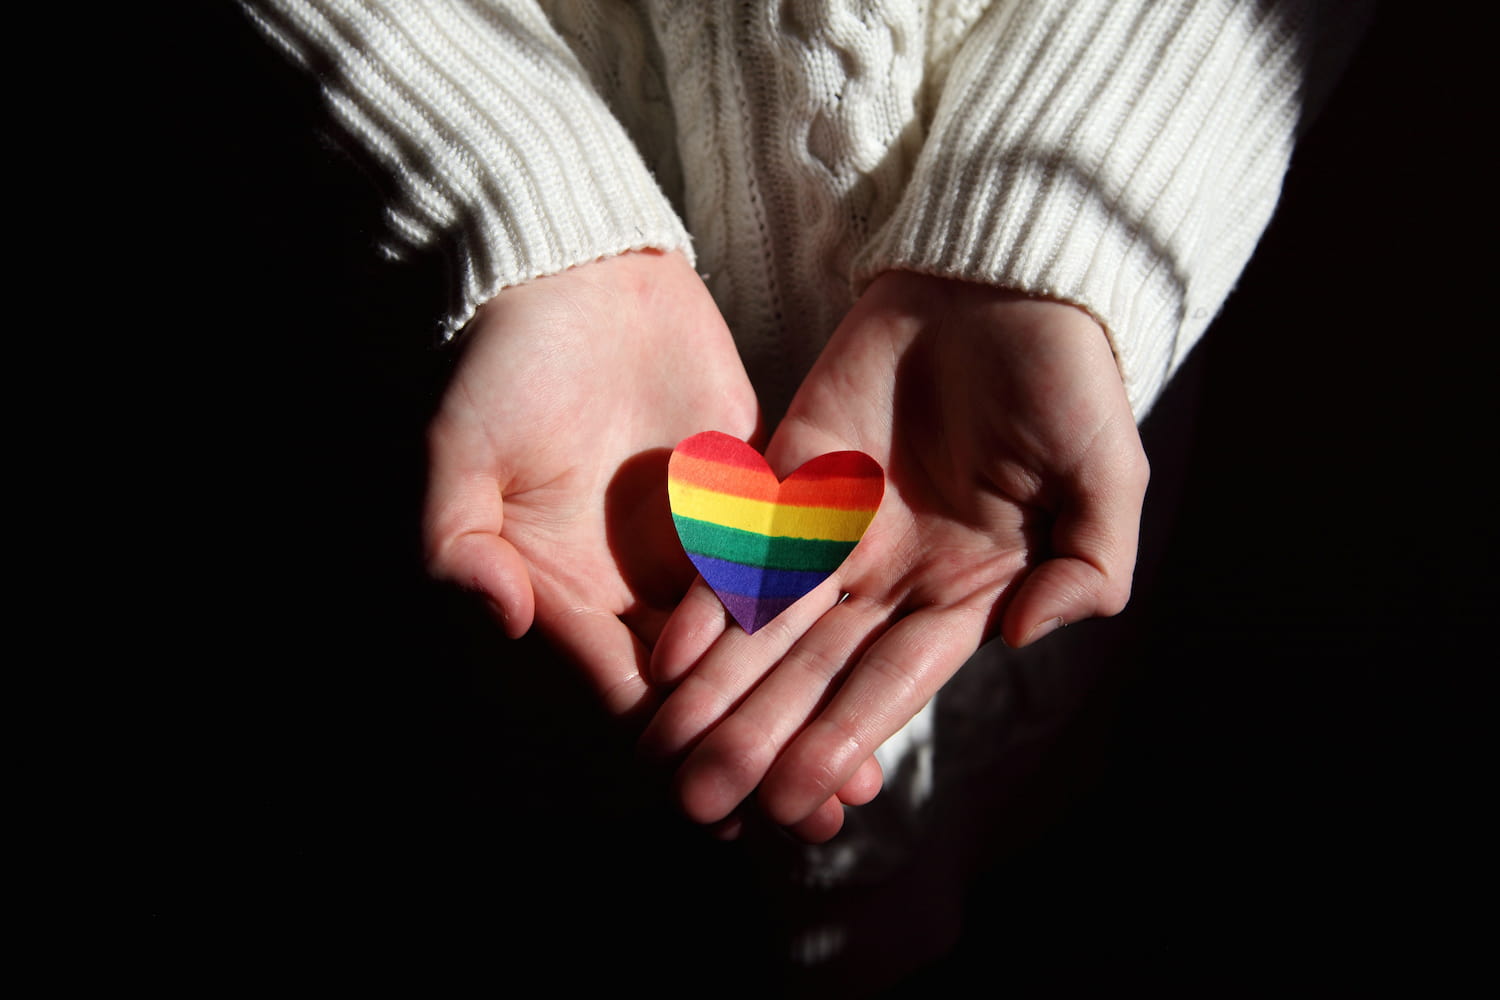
1015 478
547 491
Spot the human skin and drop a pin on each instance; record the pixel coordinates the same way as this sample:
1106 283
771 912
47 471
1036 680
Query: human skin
548 454
564 382
1015 479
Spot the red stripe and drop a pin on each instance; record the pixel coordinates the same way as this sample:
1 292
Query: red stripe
716 446
842 480
841 465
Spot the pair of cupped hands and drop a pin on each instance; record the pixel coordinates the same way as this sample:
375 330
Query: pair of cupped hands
1014 483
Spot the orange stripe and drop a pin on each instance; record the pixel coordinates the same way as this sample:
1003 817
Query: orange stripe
842 493
710 474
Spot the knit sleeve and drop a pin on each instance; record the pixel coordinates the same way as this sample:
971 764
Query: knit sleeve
1122 156
496 143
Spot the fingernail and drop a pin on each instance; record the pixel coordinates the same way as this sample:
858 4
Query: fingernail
1043 630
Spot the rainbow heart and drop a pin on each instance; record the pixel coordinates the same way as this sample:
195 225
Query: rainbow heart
760 543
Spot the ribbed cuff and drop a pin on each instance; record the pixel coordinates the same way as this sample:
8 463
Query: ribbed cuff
1124 157
490 131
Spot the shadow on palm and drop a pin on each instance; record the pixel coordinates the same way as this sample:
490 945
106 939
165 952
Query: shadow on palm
643 542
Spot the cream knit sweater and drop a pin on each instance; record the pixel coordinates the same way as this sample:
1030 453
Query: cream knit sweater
1122 155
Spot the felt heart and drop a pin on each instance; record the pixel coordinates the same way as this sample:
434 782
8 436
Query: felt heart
759 543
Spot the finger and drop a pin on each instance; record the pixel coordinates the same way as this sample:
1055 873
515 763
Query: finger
892 681
613 659
822 825
1060 592
728 671
797 442
865 784
733 758
728 828
461 522
688 634
491 566
1094 540
647 623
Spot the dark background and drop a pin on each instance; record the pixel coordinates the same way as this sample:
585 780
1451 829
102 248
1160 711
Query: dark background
347 774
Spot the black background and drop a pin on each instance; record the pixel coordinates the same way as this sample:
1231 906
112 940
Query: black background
346 774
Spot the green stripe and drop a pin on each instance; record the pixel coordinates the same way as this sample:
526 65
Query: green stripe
812 554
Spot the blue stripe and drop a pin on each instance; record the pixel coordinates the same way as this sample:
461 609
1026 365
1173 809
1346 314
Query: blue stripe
752 581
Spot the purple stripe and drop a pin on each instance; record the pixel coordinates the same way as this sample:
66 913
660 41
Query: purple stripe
752 612
754 581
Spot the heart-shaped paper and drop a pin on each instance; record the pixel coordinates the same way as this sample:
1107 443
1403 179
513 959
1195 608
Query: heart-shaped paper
759 543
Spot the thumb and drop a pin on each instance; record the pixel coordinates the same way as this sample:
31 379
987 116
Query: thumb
461 523
488 564
1094 542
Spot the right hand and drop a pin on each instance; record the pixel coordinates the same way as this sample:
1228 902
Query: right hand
547 478
1014 483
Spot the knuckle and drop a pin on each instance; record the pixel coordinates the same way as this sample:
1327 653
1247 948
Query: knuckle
811 775
741 752
437 557
1140 470
621 696
818 663
897 681
1115 596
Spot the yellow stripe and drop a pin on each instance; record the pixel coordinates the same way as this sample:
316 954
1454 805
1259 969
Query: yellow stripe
777 521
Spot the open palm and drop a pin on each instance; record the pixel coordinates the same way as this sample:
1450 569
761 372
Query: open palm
1015 478
547 485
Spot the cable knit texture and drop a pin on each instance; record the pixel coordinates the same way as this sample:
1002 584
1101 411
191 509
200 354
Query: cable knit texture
1122 155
